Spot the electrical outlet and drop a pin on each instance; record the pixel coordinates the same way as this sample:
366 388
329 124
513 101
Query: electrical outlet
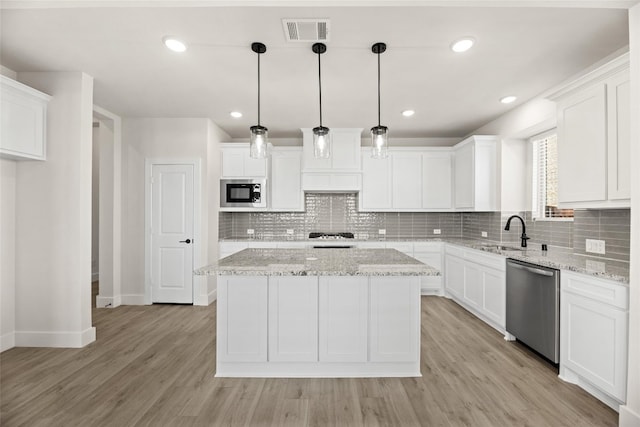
250 231
382 231
437 231
484 234
289 231
595 246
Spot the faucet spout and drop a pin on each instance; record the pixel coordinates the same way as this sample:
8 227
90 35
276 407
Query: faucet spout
523 237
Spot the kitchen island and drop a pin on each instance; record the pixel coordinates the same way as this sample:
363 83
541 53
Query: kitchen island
318 313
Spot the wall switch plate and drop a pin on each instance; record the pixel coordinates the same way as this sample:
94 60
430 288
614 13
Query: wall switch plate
484 234
289 231
382 231
437 231
250 231
595 246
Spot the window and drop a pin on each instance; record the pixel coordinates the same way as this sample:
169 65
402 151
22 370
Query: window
545 178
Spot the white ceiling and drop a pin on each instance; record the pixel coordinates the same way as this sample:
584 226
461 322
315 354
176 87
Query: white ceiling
519 50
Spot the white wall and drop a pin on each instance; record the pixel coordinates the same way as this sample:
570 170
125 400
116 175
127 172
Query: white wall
160 138
7 253
95 202
53 220
630 413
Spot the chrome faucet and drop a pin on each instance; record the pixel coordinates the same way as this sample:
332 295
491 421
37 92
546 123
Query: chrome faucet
523 237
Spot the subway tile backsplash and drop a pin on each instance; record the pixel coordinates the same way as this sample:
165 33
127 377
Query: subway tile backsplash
339 212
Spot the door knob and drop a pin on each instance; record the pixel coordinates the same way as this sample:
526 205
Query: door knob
185 241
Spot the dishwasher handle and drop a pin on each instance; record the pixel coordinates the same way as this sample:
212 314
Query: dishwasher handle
538 271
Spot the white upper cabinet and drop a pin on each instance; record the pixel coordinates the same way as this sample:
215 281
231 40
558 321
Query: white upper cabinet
23 114
594 139
410 179
236 162
286 179
341 171
476 174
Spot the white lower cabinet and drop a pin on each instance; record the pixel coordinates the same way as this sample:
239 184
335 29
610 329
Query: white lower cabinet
430 253
395 319
594 321
242 319
343 318
293 319
477 281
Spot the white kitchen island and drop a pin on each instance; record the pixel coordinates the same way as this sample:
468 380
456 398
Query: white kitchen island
318 313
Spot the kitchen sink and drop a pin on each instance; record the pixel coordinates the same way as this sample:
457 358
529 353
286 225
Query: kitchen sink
503 248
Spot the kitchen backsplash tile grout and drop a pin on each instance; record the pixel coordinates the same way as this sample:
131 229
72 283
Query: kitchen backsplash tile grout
339 212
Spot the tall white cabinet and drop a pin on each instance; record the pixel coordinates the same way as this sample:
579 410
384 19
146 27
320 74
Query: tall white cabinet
286 179
594 143
476 174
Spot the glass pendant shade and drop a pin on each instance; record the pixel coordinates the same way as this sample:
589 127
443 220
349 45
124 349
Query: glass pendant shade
379 144
321 142
258 142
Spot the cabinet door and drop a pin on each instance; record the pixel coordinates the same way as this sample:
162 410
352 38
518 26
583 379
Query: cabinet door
376 183
582 136
395 319
494 295
286 184
473 285
436 180
406 172
464 177
23 114
454 276
242 319
593 342
232 160
618 137
293 319
254 167
344 304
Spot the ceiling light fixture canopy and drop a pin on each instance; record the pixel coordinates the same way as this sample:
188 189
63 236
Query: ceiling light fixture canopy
259 134
379 134
321 134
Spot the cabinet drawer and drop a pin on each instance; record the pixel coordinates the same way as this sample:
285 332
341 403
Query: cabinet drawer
600 290
487 260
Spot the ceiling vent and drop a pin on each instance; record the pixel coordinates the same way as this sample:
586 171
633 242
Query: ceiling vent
306 30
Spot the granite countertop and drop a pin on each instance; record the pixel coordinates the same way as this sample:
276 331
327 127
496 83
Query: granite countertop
555 257
318 262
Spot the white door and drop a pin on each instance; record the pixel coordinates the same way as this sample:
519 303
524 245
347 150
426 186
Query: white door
172 233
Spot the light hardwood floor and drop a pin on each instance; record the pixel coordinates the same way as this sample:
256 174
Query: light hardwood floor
155 365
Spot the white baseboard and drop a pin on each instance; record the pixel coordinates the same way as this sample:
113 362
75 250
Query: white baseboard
132 299
7 341
111 302
436 292
55 339
628 418
205 300
95 277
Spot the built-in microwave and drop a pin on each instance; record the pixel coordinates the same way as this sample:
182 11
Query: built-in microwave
243 193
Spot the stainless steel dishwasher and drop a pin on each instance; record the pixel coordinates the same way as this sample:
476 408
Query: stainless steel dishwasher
533 307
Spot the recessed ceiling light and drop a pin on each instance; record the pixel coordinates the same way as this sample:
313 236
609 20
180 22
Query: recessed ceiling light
463 44
174 44
408 113
235 114
508 99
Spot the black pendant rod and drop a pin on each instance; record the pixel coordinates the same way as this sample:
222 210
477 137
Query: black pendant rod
258 48
378 48
320 87
378 89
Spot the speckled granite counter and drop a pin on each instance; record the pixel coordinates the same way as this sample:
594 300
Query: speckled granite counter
319 262
555 257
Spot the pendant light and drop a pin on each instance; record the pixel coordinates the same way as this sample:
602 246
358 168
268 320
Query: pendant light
259 134
379 134
321 134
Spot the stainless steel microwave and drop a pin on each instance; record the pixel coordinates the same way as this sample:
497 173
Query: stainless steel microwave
243 193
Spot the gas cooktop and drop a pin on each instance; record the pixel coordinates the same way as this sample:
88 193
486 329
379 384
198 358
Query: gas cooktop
330 236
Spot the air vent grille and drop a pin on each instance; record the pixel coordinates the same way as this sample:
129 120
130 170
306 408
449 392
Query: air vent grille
306 30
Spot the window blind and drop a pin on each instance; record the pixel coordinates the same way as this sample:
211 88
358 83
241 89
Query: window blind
545 178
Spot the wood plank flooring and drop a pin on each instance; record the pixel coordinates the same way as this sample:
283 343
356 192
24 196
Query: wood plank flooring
155 366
